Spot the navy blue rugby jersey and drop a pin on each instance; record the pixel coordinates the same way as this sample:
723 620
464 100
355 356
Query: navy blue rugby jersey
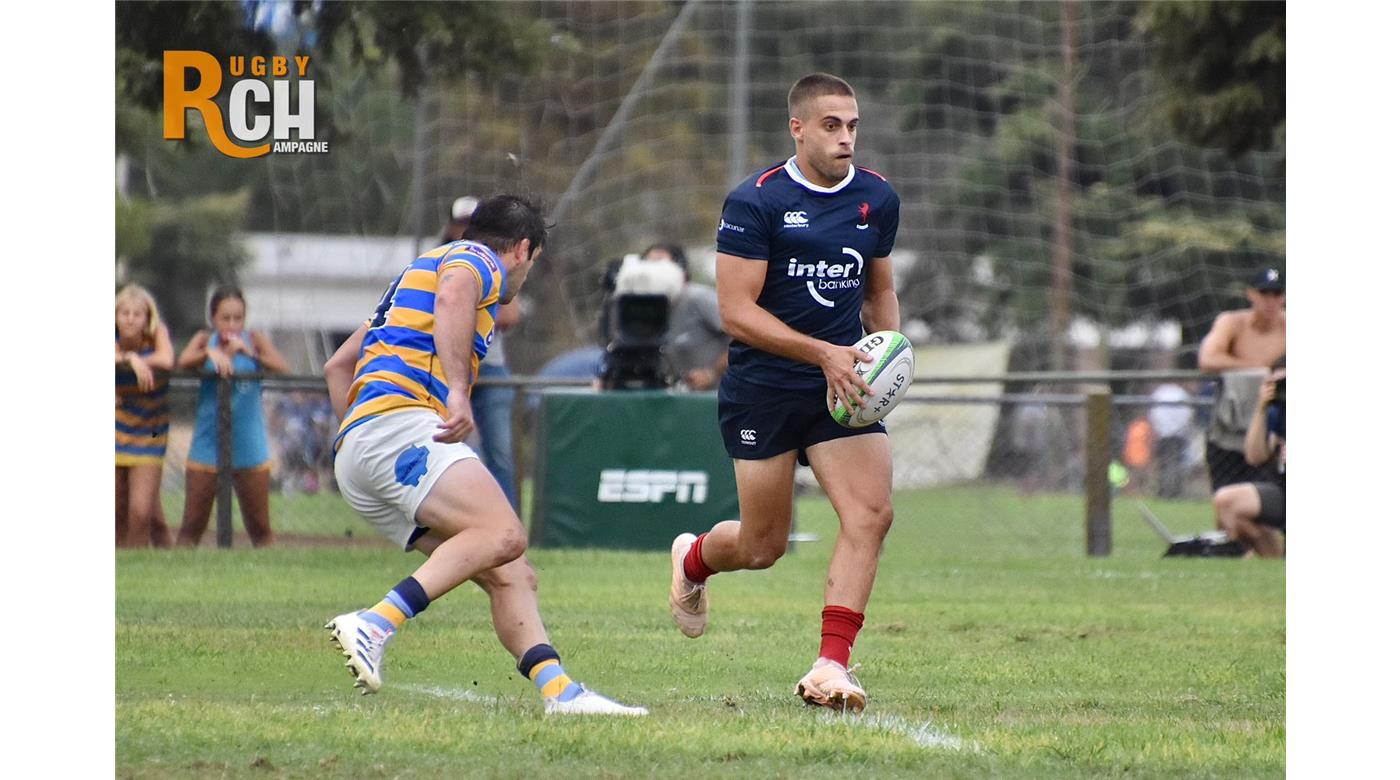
818 243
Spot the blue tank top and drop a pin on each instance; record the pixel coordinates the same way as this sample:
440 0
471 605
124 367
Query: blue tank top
249 431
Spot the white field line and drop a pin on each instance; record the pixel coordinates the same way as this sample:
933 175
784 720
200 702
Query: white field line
925 734
455 694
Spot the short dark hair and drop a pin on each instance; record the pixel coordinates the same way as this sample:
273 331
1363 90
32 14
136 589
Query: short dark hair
815 85
222 294
501 221
677 254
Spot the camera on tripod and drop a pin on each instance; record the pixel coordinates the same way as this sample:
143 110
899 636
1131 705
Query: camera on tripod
640 315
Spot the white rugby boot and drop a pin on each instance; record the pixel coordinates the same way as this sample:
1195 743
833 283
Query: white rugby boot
830 684
362 644
591 703
689 605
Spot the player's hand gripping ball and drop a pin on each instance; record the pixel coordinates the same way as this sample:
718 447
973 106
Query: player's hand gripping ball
889 376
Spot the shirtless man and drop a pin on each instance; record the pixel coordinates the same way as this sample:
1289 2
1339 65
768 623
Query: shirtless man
1250 338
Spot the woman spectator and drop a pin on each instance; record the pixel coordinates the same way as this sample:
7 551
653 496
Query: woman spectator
227 348
144 357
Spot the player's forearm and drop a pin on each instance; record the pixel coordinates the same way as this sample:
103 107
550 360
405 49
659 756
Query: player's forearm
750 323
881 312
1256 438
454 326
453 336
1217 361
339 371
338 381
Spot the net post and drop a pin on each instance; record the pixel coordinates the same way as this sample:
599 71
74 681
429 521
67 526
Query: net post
1098 528
224 520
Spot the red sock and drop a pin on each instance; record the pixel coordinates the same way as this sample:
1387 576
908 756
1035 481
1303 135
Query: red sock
839 629
694 566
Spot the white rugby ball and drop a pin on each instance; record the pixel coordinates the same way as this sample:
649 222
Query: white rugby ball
889 376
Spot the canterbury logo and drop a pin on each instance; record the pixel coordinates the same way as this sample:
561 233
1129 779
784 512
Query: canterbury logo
795 219
648 486
748 436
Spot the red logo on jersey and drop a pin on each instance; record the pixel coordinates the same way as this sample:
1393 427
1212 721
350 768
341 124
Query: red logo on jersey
864 212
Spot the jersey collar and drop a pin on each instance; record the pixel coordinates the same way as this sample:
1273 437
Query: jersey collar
795 174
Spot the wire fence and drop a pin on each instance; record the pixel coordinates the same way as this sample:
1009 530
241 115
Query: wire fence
978 447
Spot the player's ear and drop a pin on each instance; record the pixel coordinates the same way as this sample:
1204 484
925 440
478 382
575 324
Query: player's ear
795 127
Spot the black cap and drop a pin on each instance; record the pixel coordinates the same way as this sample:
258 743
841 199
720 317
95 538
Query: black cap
1267 279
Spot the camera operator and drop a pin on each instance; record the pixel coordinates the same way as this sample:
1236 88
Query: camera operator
1252 513
660 328
636 321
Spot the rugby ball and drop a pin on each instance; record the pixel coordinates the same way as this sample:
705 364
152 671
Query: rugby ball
889 376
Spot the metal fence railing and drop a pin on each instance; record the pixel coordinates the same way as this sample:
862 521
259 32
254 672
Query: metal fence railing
1076 440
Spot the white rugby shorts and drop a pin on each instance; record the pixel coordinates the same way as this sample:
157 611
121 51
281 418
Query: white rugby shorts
386 466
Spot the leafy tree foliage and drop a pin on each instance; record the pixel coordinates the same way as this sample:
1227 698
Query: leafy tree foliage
1223 63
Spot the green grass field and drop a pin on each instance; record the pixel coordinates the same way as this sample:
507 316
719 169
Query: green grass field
993 648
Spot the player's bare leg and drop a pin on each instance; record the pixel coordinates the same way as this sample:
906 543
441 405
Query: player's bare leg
475 529
511 586
478 528
861 498
513 592
755 541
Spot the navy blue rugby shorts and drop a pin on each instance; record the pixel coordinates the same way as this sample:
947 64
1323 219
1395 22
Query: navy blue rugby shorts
758 422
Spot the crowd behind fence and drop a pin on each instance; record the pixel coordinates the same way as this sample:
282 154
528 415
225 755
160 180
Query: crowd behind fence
993 441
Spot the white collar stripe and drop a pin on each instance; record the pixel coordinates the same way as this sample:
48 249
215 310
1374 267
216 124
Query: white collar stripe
795 174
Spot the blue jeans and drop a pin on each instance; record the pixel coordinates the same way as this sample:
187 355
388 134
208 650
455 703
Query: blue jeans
491 407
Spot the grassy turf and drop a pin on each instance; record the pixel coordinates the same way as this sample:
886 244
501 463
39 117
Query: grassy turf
992 647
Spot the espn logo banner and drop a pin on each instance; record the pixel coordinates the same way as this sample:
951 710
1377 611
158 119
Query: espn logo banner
648 486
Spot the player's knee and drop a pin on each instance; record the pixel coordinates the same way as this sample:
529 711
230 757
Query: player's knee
763 556
510 544
872 521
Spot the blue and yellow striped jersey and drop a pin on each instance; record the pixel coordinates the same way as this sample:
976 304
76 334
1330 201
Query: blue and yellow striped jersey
398 367
143 419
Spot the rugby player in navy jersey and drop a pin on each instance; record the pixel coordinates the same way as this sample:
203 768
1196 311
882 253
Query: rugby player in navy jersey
803 272
401 385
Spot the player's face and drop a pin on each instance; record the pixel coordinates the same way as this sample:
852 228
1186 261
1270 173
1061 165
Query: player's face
826 136
131 320
515 278
228 317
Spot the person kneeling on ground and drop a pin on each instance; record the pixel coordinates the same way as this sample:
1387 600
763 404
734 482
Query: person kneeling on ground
1252 513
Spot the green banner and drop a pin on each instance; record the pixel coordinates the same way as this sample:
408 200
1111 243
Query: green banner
628 469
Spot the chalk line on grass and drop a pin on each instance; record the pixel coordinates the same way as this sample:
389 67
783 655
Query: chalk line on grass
925 734
455 694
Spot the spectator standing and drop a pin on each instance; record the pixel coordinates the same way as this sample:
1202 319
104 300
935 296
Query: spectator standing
1170 417
1241 345
225 349
144 357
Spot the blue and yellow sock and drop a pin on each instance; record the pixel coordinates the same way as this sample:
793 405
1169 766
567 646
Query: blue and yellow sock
540 664
403 602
